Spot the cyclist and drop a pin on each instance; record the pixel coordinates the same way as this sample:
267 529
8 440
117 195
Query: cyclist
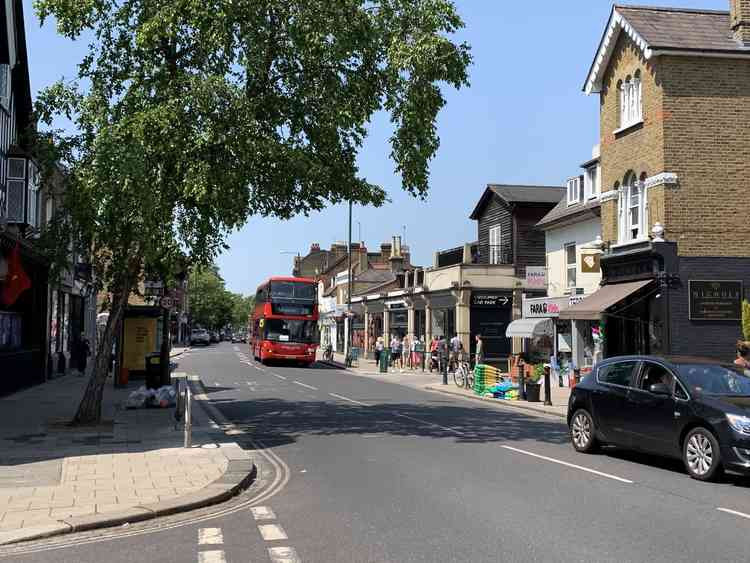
456 346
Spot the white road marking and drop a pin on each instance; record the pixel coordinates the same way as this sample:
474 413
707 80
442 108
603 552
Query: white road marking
448 428
272 532
210 536
734 512
279 376
566 464
283 555
348 399
262 513
306 385
215 556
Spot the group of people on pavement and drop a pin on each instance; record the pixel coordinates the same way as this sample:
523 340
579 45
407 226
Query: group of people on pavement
408 352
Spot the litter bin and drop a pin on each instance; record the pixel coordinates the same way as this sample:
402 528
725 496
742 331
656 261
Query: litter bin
532 392
153 370
385 360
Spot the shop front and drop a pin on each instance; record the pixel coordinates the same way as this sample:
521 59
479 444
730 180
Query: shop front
490 314
23 316
398 318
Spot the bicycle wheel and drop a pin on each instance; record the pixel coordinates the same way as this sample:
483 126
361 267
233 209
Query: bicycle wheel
458 378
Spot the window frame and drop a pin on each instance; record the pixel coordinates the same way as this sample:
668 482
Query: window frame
626 226
495 233
631 100
634 379
675 379
575 190
591 182
569 265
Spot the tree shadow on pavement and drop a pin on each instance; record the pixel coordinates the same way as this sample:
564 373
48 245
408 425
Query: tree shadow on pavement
278 421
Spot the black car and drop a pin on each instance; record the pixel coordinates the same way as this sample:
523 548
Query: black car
694 409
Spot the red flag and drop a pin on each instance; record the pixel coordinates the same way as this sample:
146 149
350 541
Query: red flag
16 282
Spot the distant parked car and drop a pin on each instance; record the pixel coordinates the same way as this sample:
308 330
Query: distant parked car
694 409
214 336
199 336
239 337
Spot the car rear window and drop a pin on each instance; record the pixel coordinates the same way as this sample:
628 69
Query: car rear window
619 373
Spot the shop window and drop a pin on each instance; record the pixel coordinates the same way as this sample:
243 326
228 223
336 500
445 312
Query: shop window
570 262
620 373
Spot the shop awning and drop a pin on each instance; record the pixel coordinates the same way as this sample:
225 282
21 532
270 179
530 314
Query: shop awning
527 328
591 308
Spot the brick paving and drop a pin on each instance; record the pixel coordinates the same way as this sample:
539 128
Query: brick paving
50 472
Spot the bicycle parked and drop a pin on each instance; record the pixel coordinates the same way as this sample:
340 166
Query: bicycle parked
463 375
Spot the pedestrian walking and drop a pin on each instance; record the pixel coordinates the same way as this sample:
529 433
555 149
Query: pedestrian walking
80 353
743 354
378 349
479 351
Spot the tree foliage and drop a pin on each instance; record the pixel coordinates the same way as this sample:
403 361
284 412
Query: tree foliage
190 116
746 320
214 307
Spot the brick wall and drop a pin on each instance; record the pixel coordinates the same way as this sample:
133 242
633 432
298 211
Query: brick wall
707 144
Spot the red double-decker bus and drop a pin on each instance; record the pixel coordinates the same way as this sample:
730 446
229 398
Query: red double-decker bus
284 324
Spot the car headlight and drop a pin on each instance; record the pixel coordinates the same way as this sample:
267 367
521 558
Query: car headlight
740 424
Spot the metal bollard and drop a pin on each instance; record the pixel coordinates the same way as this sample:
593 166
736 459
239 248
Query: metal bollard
188 417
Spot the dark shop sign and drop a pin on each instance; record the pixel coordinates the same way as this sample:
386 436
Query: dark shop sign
490 300
715 300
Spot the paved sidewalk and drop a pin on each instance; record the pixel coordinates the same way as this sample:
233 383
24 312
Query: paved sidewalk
57 479
433 382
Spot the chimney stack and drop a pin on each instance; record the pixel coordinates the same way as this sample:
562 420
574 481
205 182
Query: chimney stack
397 260
739 20
314 247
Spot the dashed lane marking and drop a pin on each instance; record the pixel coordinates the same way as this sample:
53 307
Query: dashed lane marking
272 532
734 512
348 399
262 513
279 376
571 465
305 385
210 536
283 555
213 556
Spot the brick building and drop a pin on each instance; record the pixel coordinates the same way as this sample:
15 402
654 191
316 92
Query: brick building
674 94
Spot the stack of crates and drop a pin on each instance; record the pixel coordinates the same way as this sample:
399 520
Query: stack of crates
485 377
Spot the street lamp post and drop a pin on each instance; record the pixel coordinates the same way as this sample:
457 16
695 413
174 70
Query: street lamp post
349 294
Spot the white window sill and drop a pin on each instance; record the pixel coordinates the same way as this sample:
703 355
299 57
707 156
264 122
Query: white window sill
628 126
634 242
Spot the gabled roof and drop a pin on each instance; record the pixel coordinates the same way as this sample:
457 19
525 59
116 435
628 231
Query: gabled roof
564 214
662 31
518 194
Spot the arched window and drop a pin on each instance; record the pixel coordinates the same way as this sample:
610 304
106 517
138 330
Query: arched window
632 209
630 100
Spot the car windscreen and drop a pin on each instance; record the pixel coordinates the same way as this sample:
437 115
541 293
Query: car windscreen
293 290
287 330
716 379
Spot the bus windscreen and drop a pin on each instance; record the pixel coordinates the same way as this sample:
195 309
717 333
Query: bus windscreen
288 330
292 290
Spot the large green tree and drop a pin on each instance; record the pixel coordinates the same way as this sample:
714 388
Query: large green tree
189 116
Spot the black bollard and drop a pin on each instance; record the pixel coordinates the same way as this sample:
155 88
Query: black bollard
547 387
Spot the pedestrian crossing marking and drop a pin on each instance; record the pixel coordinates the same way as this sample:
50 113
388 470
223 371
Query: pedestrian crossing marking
262 513
214 556
283 555
210 536
271 532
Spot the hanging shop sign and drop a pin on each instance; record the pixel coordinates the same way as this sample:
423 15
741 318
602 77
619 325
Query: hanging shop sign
491 300
536 276
715 300
591 263
543 307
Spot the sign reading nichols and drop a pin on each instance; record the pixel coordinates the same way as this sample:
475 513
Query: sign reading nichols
715 300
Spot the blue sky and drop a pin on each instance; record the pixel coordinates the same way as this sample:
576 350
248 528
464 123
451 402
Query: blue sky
523 120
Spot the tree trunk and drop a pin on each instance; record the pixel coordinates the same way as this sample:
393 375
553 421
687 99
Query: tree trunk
90 407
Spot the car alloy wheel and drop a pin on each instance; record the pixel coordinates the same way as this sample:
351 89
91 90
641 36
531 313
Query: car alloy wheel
582 431
701 454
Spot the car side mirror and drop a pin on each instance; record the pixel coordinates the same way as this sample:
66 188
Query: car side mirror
660 389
